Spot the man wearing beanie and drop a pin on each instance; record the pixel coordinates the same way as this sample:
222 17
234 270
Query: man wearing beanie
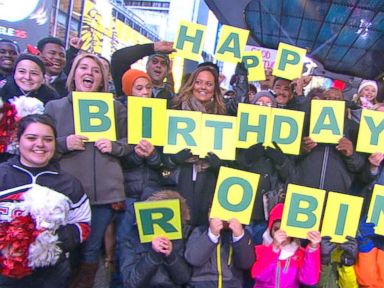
158 66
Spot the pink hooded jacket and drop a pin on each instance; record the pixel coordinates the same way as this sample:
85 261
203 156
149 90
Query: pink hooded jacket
270 272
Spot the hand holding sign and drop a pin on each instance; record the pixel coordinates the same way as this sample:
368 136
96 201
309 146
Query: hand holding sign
181 156
326 249
75 142
215 226
162 245
236 227
345 147
144 149
348 258
375 159
308 144
314 238
104 145
163 47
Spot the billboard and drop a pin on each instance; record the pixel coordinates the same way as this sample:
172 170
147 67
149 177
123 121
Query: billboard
25 22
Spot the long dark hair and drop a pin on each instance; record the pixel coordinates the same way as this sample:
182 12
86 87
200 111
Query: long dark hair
186 92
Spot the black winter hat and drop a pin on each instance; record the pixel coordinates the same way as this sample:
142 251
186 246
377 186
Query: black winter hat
30 57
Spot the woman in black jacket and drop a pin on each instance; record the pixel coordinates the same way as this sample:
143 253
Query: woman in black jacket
36 137
28 80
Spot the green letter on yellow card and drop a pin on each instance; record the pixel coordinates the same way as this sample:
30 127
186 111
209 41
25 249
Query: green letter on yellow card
285 128
371 136
219 137
254 63
94 115
252 124
234 195
146 120
302 210
327 121
158 218
231 44
376 209
189 40
341 216
184 130
289 61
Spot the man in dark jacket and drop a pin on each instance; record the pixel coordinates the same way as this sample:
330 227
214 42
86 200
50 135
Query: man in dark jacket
58 61
328 166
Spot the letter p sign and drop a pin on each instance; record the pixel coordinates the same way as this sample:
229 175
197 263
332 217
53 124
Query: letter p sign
289 61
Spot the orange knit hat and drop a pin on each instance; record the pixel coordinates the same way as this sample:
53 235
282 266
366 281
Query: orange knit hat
129 77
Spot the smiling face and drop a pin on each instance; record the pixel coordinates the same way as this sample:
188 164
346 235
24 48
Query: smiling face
37 145
157 69
369 92
204 86
142 87
283 91
88 76
55 54
8 55
28 75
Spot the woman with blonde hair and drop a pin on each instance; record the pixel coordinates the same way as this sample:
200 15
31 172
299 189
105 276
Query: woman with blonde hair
95 164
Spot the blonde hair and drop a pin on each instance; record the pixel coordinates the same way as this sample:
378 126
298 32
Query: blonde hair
168 195
186 92
71 76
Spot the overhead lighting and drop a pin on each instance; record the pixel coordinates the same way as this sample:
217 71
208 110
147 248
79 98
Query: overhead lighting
364 28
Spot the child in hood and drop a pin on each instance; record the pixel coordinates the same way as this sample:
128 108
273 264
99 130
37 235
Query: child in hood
281 260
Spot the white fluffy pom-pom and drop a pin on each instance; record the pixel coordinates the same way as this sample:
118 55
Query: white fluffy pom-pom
47 207
27 106
44 250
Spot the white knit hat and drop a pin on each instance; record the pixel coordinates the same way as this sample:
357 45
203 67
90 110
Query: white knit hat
366 83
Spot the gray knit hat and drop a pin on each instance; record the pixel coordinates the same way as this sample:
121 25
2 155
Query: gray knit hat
264 94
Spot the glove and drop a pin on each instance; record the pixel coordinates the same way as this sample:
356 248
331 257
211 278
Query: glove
276 155
254 152
348 258
181 156
213 160
326 249
241 86
365 236
68 237
379 242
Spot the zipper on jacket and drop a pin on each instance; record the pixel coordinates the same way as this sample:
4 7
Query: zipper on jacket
219 268
277 280
324 167
94 174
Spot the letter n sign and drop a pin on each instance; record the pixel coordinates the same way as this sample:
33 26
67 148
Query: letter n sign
158 218
235 195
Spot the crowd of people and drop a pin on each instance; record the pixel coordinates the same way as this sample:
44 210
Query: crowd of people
103 179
